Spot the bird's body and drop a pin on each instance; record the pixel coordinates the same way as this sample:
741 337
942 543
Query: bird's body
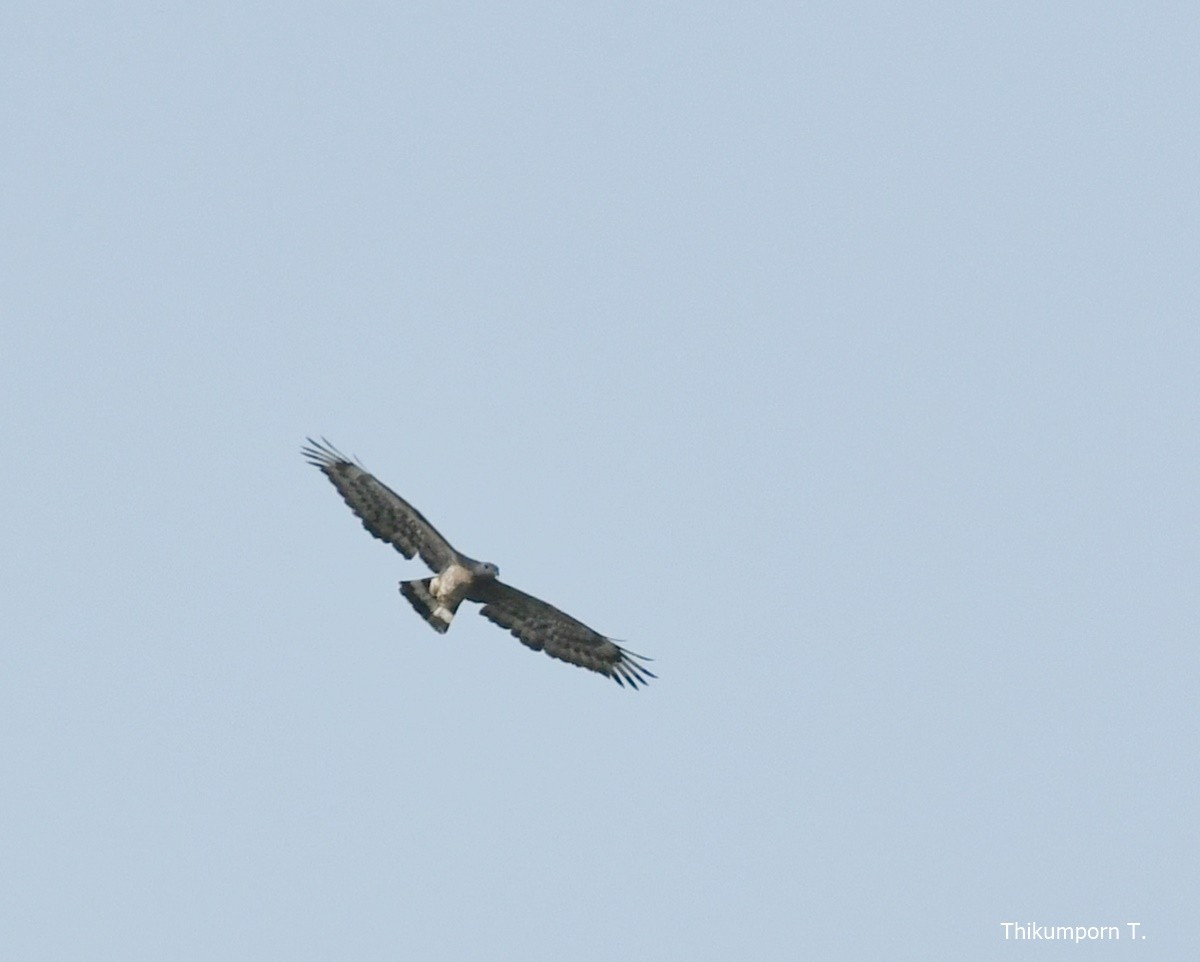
438 598
450 588
458 578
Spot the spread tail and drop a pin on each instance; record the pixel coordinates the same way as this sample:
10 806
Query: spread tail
428 607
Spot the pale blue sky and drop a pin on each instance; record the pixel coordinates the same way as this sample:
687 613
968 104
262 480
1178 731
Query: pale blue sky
841 357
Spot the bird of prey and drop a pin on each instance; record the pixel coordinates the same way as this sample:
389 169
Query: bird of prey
458 578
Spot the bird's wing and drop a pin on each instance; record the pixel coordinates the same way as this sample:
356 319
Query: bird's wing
383 512
544 628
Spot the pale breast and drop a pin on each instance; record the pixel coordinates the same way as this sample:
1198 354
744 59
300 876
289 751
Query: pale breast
451 585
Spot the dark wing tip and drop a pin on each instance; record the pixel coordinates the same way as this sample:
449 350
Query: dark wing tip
321 454
629 670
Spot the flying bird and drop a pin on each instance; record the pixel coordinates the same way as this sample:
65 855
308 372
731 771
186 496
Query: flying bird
458 578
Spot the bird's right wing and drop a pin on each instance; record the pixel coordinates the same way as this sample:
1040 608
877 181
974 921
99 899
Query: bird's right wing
382 511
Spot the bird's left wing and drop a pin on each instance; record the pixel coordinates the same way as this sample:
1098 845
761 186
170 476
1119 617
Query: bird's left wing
382 511
544 628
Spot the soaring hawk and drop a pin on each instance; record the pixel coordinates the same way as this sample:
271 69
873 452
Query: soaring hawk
542 627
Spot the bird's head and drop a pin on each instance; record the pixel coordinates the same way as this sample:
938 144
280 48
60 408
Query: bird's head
488 570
